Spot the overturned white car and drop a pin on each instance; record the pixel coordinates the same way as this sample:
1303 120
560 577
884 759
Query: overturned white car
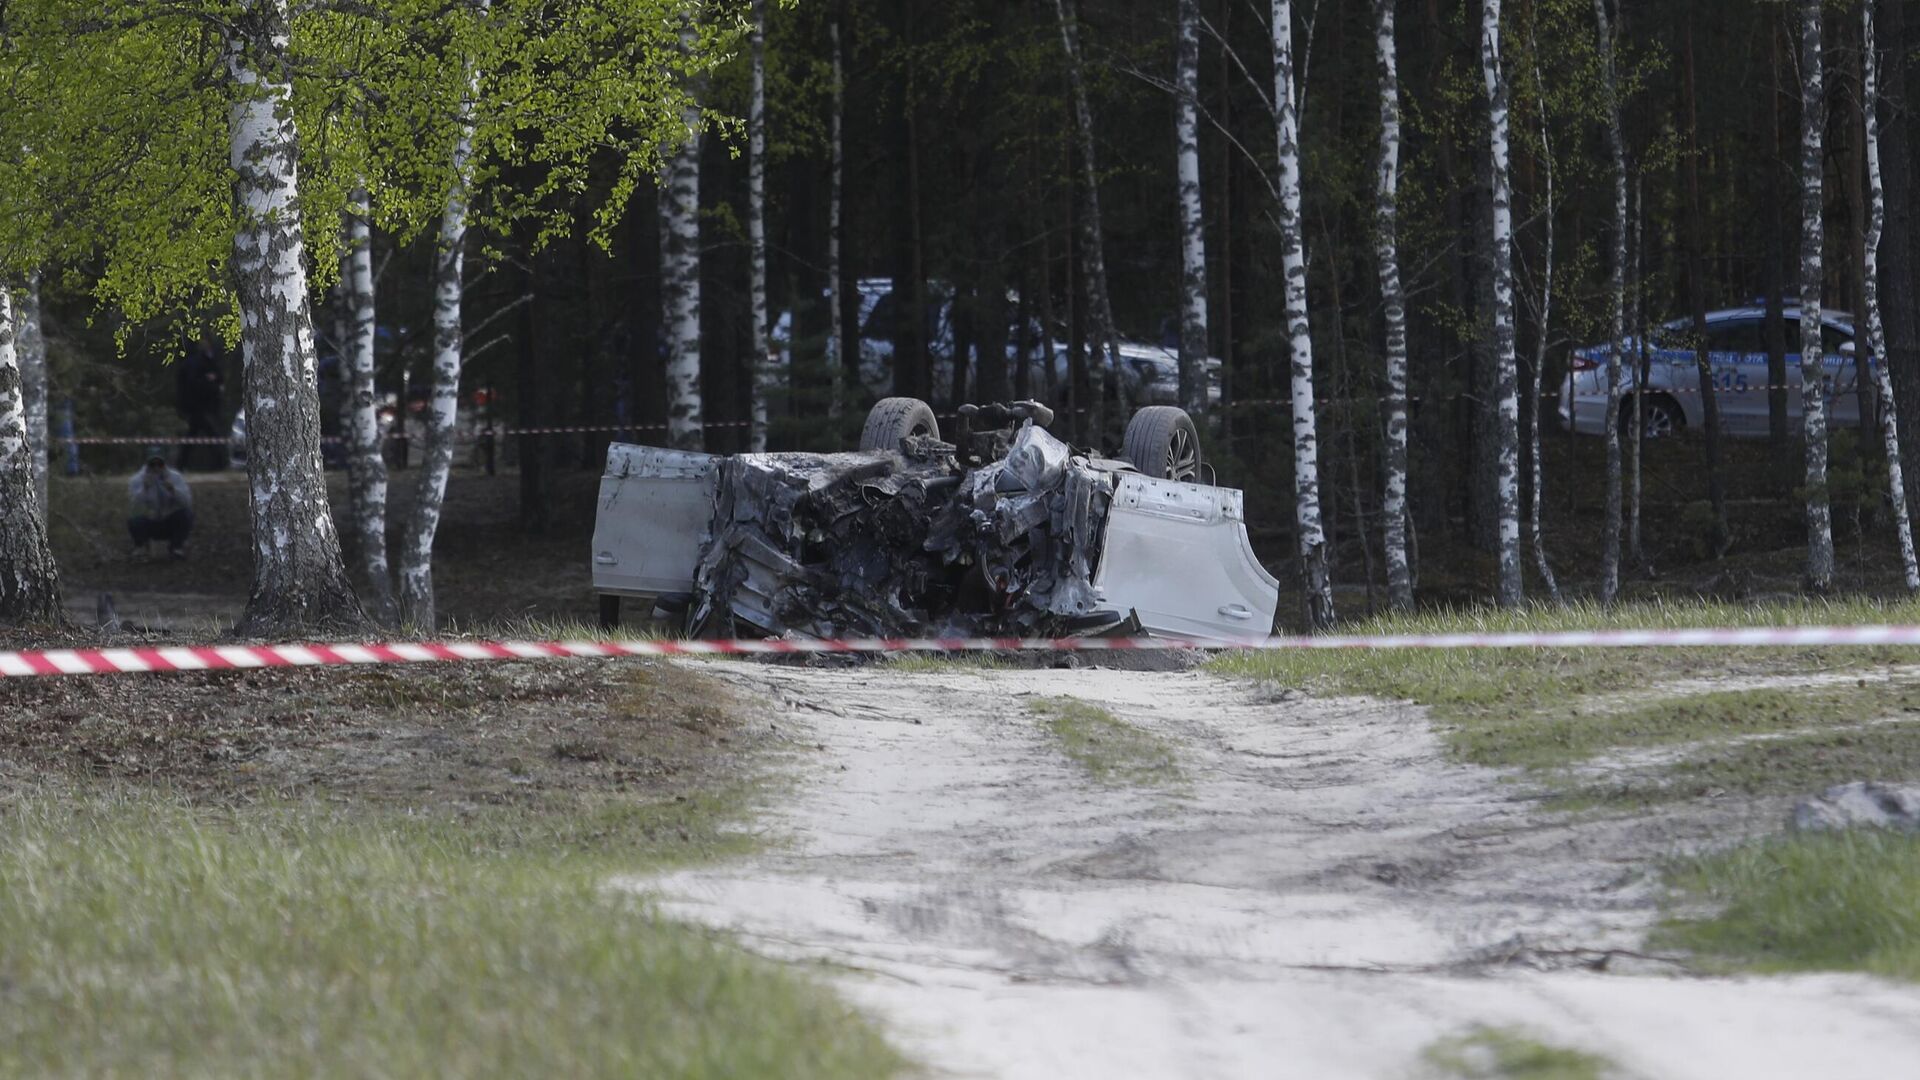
1004 531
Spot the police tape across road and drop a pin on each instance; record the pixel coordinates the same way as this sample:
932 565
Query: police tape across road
183 658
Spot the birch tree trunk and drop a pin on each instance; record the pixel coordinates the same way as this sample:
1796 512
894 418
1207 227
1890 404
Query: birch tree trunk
29 583
1393 505
31 346
680 281
300 582
366 465
1506 364
1094 254
1306 444
757 372
1193 238
1545 321
1813 398
1617 285
449 286
836 193
1870 294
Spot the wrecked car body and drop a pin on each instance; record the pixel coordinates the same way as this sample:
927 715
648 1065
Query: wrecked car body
1005 532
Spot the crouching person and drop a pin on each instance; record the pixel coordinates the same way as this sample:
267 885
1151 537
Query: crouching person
162 506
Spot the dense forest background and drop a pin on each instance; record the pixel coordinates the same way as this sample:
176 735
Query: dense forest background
963 177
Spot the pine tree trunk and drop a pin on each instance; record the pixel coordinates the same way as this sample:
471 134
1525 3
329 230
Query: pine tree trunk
30 345
757 368
29 582
1900 297
300 582
1315 572
1870 295
680 282
366 464
1536 537
1617 285
1813 398
837 353
1506 363
1193 238
1697 290
449 354
1637 326
1774 328
1094 252
1393 303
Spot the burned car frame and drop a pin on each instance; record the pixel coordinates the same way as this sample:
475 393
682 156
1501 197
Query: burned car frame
1005 530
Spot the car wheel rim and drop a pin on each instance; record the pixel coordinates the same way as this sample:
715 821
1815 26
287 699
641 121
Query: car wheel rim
1659 424
1183 458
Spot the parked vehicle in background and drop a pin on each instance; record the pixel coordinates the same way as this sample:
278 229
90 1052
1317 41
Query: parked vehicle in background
1737 353
1151 373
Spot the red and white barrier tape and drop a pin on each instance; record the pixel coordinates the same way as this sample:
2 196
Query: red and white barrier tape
233 657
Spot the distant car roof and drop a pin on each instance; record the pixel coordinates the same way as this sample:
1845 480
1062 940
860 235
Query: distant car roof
1830 315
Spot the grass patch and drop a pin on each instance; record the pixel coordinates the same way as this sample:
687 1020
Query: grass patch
1790 765
1832 901
1535 707
139 935
1490 1053
1107 748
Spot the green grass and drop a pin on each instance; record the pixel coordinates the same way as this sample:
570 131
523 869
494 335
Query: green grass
139 936
1107 748
1535 707
1838 901
1490 1053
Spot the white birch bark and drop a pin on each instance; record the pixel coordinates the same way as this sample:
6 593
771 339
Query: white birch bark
1617 286
1193 237
1092 233
1536 536
300 582
836 331
1506 363
1393 505
29 583
1813 398
757 228
1876 329
443 413
680 280
31 346
366 465
1312 535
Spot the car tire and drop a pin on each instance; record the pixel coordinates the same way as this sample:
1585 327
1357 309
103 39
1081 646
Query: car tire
895 418
1162 442
1660 416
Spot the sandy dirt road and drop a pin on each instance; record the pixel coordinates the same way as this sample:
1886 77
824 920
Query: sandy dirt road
1324 896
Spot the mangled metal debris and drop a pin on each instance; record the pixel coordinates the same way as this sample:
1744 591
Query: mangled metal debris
1006 531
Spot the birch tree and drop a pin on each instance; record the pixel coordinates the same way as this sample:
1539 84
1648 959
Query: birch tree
1092 233
757 227
1193 238
29 582
1544 322
366 465
31 346
1813 398
299 577
679 200
1393 304
1617 287
1311 535
1870 295
449 283
1506 365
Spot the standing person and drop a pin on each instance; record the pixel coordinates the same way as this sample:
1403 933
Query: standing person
162 507
197 396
